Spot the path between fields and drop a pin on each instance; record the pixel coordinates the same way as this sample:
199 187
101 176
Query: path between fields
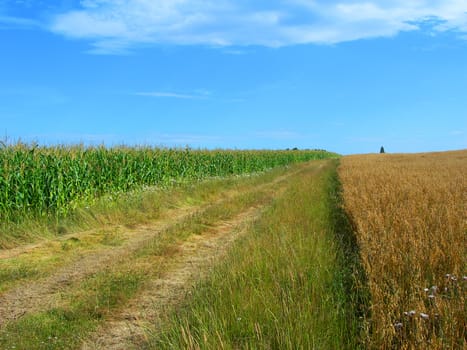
45 293
128 327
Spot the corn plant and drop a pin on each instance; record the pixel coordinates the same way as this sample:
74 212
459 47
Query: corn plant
40 181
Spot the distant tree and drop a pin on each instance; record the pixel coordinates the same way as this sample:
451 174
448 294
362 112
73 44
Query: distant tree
381 150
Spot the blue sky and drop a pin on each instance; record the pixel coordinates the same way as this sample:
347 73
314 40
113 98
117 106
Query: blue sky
347 76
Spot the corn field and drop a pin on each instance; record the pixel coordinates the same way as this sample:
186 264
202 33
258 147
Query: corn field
410 218
39 181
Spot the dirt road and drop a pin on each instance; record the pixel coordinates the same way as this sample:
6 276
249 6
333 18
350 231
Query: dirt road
191 259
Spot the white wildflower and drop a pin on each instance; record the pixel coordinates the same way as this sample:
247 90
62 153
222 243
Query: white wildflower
424 316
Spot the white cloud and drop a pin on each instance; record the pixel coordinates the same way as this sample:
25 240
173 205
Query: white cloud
116 25
82 24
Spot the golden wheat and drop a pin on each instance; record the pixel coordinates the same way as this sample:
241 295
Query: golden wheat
409 213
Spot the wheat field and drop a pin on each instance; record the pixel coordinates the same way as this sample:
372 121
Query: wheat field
409 214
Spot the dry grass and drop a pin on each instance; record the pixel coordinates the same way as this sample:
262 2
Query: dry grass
409 213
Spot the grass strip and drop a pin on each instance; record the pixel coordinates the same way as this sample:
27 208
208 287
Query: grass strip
283 286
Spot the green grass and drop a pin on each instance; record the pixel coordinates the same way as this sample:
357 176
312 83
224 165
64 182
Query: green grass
284 286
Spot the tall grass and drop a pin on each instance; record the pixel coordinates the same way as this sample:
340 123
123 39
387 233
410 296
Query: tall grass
40 181
409 213
283 286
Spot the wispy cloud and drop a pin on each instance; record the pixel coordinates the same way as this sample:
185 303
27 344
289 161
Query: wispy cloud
10 21
114 26
235 52
199 94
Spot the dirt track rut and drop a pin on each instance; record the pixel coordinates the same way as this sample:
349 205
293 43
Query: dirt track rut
129 326
45 292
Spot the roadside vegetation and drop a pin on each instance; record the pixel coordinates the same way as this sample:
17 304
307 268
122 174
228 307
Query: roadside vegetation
409 215
81 305
288 284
